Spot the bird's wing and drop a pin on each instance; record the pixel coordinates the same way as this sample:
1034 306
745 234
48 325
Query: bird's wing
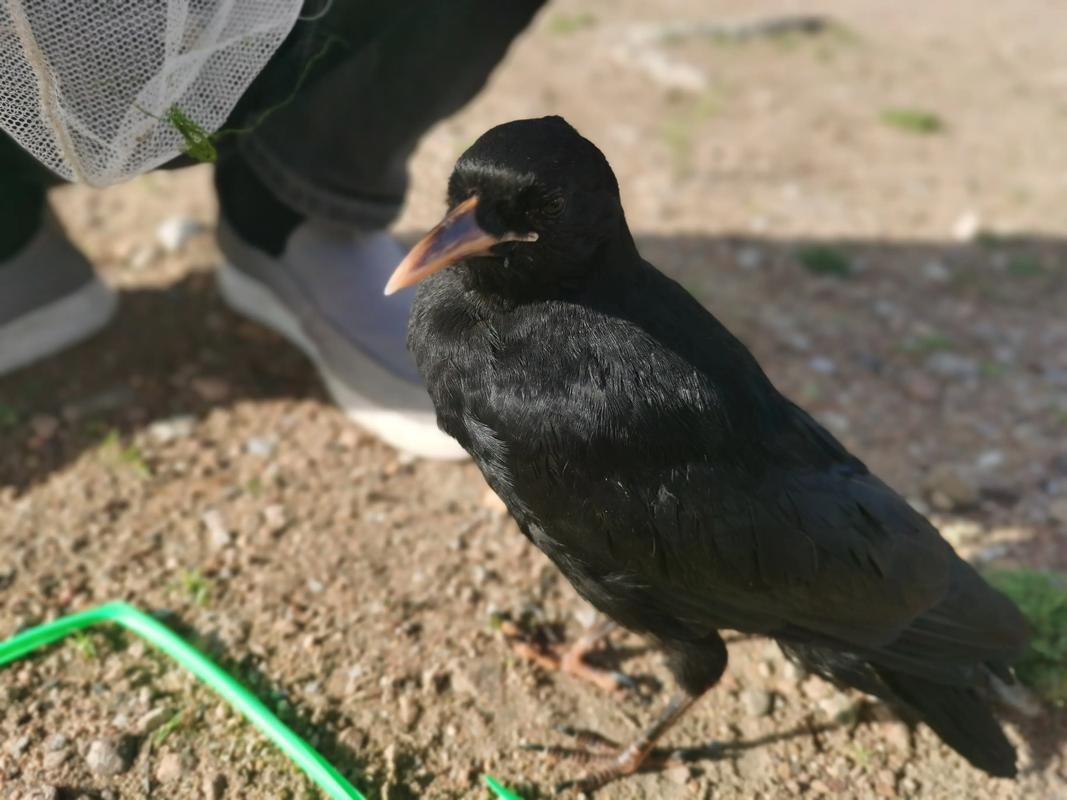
809 541
834 552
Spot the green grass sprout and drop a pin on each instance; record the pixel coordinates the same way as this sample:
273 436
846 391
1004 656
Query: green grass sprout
913 120
823 260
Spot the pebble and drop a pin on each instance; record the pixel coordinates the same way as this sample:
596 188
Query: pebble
218 535
57 742
170 768
173 428
823 365
837 706
757 702
18 746
793 672
749 258
966 226
174 232
108 757
948 490
897 736
260 446
56 759
990 459
274 518
936 272
679 774
142 257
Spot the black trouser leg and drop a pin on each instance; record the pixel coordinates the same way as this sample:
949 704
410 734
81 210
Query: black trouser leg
23 183
339 152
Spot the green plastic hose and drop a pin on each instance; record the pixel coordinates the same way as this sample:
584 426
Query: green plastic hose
318 769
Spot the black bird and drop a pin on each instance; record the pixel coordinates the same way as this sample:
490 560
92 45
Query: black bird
640 446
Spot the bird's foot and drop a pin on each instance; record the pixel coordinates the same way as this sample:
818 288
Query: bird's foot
609 760
536 646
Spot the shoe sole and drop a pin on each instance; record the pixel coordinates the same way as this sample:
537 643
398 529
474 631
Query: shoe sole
255 300
56 326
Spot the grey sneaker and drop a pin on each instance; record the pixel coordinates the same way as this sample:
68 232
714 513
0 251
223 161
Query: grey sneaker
50 299
324 294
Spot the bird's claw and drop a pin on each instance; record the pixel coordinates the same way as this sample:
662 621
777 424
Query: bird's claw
561 657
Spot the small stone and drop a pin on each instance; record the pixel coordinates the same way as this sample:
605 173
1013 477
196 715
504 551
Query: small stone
897 736
219 536
56 759
142 257
108 757
18 746
169 430
749 258
823 365
173 232
43 792
838 707
816 689
260 446
274 518
170 768
990 459
210 390
936 272
57 742
1057 509
793 672
948 490
835 421
757 702
966 226
587 616
214 786
679 774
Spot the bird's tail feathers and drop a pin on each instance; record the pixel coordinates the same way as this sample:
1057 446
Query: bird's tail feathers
961 717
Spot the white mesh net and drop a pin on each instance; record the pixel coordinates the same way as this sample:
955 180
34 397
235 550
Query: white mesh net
88 86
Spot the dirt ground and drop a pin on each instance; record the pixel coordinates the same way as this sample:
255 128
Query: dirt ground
186 460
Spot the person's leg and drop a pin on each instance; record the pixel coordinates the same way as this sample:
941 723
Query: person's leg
305 197
50 297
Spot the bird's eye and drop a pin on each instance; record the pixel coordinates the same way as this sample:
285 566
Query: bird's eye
554 207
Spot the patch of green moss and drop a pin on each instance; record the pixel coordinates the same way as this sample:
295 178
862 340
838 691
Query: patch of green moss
1042 597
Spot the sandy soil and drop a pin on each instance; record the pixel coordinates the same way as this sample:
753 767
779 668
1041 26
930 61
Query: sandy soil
186 460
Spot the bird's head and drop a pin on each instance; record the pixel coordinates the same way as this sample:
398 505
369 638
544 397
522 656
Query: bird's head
531 203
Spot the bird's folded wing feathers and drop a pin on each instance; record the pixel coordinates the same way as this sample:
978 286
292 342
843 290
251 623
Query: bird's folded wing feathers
833 552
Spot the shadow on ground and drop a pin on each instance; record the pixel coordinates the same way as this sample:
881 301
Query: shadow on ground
176 350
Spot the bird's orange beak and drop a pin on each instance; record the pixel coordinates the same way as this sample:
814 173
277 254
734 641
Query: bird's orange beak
456 237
